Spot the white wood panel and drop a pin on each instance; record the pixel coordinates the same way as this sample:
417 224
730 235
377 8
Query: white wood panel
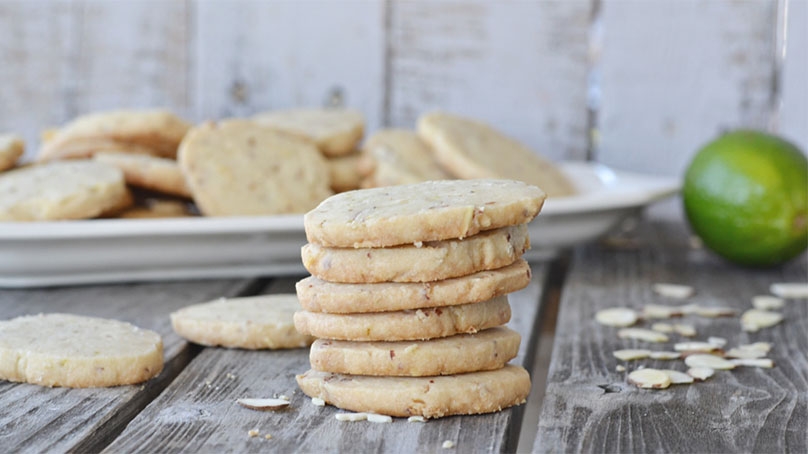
521 66
254 56
59 59
794 88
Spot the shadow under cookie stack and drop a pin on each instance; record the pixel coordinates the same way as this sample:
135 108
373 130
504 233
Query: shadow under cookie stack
408 297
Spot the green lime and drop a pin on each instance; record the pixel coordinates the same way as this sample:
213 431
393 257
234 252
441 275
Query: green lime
746 196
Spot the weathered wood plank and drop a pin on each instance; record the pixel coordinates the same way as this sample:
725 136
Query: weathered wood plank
522 66
254 56
746 410
61 59
37 419
794 76
198 411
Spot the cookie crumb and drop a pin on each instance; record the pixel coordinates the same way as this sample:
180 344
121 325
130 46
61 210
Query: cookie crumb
252 433
230 376
448 444
267 437
620 368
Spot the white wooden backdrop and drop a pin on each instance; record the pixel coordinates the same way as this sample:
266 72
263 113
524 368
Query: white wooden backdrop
636 84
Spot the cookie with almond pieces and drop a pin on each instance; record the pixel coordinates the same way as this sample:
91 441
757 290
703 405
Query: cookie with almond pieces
336 132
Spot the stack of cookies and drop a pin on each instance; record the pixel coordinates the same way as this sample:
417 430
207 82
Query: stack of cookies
408 297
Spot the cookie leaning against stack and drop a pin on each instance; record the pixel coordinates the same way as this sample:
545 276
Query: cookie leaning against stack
409 294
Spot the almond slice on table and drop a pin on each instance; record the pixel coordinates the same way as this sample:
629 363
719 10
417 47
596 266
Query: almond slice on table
617 316
642 334
649 379
695 347
631 354
373 417
767 302
709 361
662 327
674 291
263 404
701 373
744 353
717 341
352 417
660 311
665 355
713 312
416 419
684 330
790 289
755 319
753 362
678 378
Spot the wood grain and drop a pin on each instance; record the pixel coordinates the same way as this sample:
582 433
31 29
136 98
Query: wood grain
37 419
522 66
589 407
199 410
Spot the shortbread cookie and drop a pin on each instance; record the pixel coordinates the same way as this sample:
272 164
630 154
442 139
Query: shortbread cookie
158 130
150 172
61 190
426 262
429 211
486 350
87 148
77 352
336 132
157 208
398 156
344 172
124 204
317 295
406 325
471 149
238 167
257 322
430 397
11 148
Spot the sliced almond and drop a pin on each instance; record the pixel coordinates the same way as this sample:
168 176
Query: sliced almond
762 346
631 354
641 334
673 291
649 378
373 417
695 347
352 417
416 419
755 319
753 362
767 302
701 373
665 355
448 444
790 289
318 402
263 404
713 312
711 361
659 311
678 378
685 330
662 327
717 341
745 353
617 316
620 368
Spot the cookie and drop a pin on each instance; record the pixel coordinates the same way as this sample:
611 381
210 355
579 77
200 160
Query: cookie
257 322
426 262
336 132
77 352
487 350
87 148
344 172
398 156
317 295
429 211
124 204
419 324
238 167
61 190
158 130
11 148
471 149
150 172
157 208
430 397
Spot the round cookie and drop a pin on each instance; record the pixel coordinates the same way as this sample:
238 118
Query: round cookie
257 322
336 132
398 156
487 350
419 324
61 190
77 352
430 397
87 148
157 208
11 148
431 261
317 295
344 172
158 130
238 167
471 149
150 172
429 211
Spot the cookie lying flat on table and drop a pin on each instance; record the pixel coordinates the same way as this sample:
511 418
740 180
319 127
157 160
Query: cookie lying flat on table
257 322
77 352
61 190
487 350
317 295
238 167
430 261
429 211
397 156
150 172
471 149
336 132
430 397
11 148
419 324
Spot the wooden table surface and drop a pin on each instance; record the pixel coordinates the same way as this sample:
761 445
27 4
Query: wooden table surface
586 405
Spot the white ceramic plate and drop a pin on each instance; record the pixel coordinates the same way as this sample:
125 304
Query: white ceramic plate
116 250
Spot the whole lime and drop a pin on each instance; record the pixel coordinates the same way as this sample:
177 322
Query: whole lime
746 195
